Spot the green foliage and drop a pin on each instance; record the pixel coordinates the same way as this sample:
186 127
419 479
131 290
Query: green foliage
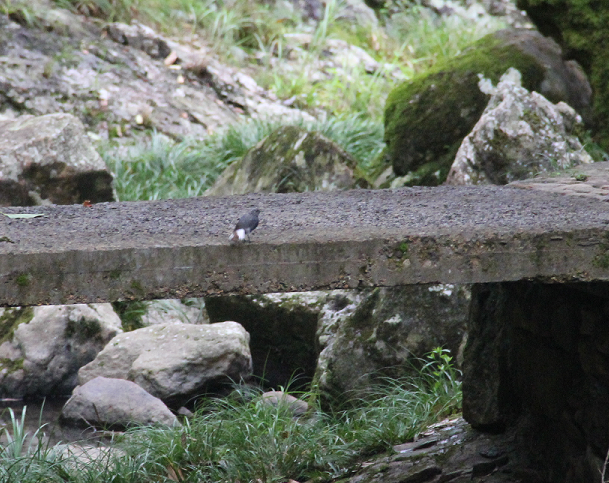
130 314
19 11
241 438
424 37
161 168
109 10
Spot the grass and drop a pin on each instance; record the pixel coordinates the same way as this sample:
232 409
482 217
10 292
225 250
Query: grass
240 438
163 169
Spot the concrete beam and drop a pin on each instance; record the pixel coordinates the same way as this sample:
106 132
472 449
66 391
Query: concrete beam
308 241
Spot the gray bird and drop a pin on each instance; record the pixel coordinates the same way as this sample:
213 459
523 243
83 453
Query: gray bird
245 225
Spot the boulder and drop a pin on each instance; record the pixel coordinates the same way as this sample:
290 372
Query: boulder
427 118
369 335
282 329
520 134
50 159
42 348
344 340
175 362
581 27
290 159
297 407
115 403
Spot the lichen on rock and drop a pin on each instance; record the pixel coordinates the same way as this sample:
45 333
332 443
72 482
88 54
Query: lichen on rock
519 135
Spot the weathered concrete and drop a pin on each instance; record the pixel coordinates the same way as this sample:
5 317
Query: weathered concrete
308 241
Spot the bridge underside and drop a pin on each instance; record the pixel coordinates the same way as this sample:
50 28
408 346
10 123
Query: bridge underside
308 241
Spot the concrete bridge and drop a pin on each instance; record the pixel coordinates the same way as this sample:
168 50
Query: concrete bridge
308 241
537 360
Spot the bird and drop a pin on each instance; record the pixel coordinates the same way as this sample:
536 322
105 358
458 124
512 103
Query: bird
246 224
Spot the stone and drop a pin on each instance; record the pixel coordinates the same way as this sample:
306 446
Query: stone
139 37
42 348
427 117
366 336
520 135
175 362
116 87
50 159
173 311
115 403
290 159
357 12
297 406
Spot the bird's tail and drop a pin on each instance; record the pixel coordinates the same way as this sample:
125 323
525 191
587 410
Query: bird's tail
237 235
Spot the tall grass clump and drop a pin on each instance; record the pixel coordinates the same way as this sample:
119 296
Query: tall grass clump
241 438
422 37
396 410
160 168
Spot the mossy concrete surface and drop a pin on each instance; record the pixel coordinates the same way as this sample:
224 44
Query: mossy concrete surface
427 118
581 27
305 241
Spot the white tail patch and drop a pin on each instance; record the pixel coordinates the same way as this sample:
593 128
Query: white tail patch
238 235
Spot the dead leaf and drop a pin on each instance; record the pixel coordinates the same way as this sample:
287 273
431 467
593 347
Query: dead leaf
174 474
87 203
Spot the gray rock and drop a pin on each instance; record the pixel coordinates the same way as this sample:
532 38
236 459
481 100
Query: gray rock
520 134
115 86
114 403
172 311
298 407
50 158
368 335
175 361
356 11
45 346
140 37
289 159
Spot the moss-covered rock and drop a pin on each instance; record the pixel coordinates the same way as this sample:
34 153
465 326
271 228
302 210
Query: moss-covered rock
427 118
290 159
373 334
581 27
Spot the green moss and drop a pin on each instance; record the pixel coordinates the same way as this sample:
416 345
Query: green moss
601 260
23 280
137 286
115 274
11 365
581 27
11 319
83 329
427 118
